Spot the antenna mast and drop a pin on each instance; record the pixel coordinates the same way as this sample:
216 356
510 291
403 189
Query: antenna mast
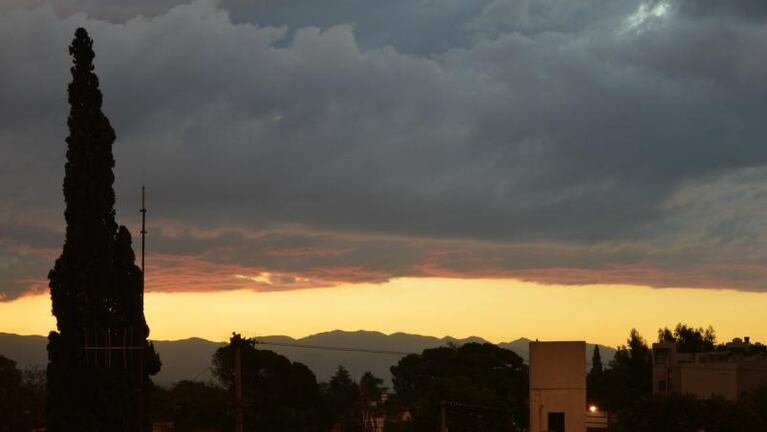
143 237
143 276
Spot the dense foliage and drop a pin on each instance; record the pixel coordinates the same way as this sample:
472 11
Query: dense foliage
22 397
341 395
191 405
627 379
690 414
689 339
484 388
278 395
96 288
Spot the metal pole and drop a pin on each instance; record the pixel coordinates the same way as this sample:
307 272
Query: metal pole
141 299
141 389
237 389
143 241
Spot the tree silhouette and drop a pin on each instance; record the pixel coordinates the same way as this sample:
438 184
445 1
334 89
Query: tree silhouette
596 362
689 413
21 397
191 405
343 394
277 394
629 377
370 403
10 387
486 385
595 378
371 387
689 339
96 288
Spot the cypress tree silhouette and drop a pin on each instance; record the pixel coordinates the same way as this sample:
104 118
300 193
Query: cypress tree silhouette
96 287
596 362
595 380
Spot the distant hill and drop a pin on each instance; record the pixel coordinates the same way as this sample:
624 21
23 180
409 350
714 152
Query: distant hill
27 351
190 358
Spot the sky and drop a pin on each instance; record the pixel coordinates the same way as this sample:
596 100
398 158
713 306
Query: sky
500 168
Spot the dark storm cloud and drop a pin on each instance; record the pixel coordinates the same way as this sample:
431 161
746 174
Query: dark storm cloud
21 271
26 254
746 9
560 141
411 26
114 11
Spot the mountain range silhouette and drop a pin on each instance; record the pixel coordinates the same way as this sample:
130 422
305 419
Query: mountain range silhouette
189 359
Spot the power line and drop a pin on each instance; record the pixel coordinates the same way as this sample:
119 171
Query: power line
325 348
319 347
335 348
206 369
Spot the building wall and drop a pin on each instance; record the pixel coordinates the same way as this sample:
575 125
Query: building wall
709 379
558 384
664 355
751 375
661 380
706 374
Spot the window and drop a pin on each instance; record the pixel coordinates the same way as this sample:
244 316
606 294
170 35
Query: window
556 422
661 356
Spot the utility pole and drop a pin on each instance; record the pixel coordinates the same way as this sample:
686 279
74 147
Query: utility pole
237 387
143 274
443 416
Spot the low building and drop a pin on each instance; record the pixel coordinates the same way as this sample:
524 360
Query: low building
557 386
596 420
727 373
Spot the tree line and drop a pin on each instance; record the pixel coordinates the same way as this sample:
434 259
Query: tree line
486 385
480 387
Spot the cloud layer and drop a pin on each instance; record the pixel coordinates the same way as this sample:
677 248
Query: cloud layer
292 147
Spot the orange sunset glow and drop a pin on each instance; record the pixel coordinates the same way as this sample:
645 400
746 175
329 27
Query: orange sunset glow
498 310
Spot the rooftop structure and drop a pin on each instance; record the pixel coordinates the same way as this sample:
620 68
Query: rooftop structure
727 373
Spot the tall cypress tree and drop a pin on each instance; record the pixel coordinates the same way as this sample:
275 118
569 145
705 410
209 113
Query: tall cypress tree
96 287
595 380
596 362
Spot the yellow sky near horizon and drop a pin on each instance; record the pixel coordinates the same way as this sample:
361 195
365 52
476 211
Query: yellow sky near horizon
497 310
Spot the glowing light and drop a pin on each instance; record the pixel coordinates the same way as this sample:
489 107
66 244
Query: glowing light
593 408
261 277
643 14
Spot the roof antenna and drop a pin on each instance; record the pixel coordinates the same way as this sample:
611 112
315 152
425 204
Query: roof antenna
143 273
143 237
